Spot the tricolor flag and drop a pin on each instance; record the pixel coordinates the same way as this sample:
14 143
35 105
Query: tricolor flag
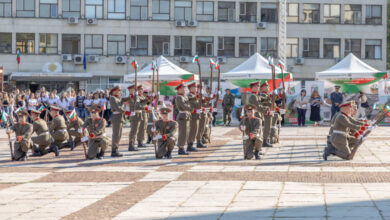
154 65
41 109
212 62
134 64
19 109
387 110
374 106
195 59
217 65
18 56
270 61
281 64
72 116
3 118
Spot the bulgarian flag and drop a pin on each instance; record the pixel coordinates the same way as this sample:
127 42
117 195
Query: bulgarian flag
217 65
3 118
270 61
72 116
387 110
18 56
195 59
154 65
41 109
19 109
134 64
281 64
212 62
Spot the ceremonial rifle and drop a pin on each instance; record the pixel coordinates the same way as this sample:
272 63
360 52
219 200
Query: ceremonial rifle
9 135
243 130
200 81
218 85
156 98
273 82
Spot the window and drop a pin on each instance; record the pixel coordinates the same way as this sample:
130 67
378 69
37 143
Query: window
205 11
331 13
269 46
374 14
247 46
352 14
139 45
116 44
116 9
204 46
226 11
331 48
353 46
25 8
48 8
183 46
373 49
292 47
160 10
25 43
183 10
311 47
5 8
160 45
71 44
5 42
293 12
94 8
71 8
48 43
138 9
269 12
226 46
93 44
311 13
248 11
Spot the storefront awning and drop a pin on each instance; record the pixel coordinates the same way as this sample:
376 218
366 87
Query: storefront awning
39 76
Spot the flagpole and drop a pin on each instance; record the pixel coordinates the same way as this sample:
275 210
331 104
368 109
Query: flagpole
273 85
200 82
218 85
153 83
211 77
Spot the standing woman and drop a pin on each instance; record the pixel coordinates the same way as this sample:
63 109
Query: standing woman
87 104
96 100
71 96
315 107
52 101
63 103
301 104
103 102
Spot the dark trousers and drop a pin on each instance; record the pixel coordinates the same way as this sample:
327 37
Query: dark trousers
301 116
334 109
214 118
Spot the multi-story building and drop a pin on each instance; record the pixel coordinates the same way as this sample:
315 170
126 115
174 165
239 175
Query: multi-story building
53 36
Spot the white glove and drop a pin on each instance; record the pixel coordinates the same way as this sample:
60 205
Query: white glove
12 139
361 138
242 127
132 113
198 111
370 128
245 137
155 138
272 112
215 110
282 111
80 130
153 129
84 139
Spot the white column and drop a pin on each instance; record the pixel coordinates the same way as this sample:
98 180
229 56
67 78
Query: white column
105 9
342 47
150 45
322 13
364 13
215 48
172 10
363 43
237 11
300 47
258 44
59 38
236 45
104 44
36 46
36 8
172 45
13 42
150 9
300 12
342 14
14 8
82 8
258 12
59 8
321 47
193 45
193 17
81 43
216 11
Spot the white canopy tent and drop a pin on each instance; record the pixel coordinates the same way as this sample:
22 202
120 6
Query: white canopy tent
255 67
350 67
167 72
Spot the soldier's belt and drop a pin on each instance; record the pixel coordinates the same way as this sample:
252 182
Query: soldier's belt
340 132
183 111
45 132
150 123
116 113
62 130
101 136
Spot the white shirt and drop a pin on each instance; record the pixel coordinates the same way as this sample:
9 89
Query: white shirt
63 104
44 99
52 101
96 102
302 102
32 104
87 102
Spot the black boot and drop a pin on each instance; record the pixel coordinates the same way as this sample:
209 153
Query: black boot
169 155
191 148
23 157
140 144
149 139
326 153
132 148
116 154
72 145
204 140
257 156
54 149
200 145
36 154
100 155
182 151
266 144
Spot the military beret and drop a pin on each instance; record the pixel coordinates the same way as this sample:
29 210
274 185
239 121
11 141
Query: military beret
191 84
94 109
131 86
118 87
264 84
250 107
33 111
254 84
165 110
346 104
54 108
140 87
22 112
179 86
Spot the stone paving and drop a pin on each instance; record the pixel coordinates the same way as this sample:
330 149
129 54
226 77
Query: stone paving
290 182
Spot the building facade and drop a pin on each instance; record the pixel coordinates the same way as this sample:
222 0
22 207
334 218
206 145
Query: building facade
53 36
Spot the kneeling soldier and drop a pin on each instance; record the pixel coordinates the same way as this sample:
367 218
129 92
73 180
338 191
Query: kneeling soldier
252 130
42 140
74 127
96 127
165 130
57 129
23 131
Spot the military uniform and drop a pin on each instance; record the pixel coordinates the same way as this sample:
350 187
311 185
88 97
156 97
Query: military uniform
167 130
183 119
252 130
74 127
227 105
117 121
143 101
42 141
58 130
136 116
266 102
23 138
203 122
97 143
193 100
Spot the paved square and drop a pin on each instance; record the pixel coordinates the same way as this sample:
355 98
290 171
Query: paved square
290 182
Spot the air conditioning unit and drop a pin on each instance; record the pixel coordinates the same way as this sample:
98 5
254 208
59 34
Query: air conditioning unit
299 61
222 59
261 25
66 57
92 59
120 59
78 59
73 20
193 23
185 59
92 21
180 23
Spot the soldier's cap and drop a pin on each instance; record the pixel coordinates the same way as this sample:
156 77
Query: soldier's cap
337 86
131 86
22 112
179 86
191 84
68 111
346 104
140 87
250 107
254 84
116 88
264 84
227 89
33 111
165 110
94 109
54 108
